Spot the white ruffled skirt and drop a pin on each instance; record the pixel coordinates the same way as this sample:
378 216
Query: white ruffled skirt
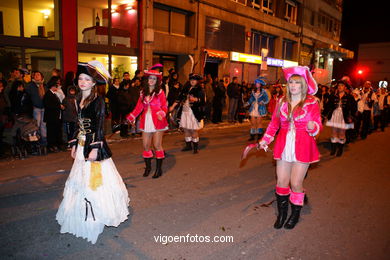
337 120
188 119
84 212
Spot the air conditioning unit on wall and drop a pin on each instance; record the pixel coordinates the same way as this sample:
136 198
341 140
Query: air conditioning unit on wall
149 35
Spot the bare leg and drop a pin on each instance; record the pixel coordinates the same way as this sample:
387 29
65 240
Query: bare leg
259 122
147 140
283 172
298 173
157 140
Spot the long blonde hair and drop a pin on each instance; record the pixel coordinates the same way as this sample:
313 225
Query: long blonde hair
287 98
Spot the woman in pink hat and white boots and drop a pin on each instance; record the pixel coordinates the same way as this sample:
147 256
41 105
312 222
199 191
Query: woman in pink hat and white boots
153 106
298 119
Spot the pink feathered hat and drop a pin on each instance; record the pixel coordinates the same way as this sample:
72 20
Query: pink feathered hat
153 73
305 73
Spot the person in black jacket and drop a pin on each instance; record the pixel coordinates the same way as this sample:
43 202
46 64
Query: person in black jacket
112 95
191 112
218 101
234 93
339 111
134 90
125 106
52 116
69 114
94 194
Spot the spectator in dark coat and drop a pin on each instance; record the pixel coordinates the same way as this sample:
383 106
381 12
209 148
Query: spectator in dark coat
234 93
218 101
36 89
124 105
52 116
69 115
21 103
112 96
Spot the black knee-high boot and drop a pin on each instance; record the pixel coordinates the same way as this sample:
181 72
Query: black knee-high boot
195 146
188 147
158 171
333 147
282 210
340 149
294 218
148 166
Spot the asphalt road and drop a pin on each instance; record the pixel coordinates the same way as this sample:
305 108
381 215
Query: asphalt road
206 195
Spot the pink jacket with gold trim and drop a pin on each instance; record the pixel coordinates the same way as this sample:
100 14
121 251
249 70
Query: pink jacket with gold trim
306 150
158 106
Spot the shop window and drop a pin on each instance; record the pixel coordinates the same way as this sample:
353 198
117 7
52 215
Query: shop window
321 62
40 19
121 64
43 60
291 12
287 52
168 62
92 26
171 20
10 57
86 57
32 59
9 18
263 41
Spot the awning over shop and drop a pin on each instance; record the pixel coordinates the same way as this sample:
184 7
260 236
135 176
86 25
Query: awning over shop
217 54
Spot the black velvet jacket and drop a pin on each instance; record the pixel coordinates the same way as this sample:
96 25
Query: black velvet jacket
347 105
197 107
90 123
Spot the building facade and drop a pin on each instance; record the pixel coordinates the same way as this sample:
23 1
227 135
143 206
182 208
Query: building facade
373 62
223 38
244 38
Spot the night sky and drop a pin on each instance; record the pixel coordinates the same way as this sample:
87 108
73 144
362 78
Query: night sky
364 22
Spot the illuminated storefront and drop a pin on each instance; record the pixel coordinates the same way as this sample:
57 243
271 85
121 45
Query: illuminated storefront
47 34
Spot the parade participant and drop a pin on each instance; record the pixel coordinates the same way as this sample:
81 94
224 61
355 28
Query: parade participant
382 103
298 120
339 111
191 100
368 98
153 106
94 194
257 109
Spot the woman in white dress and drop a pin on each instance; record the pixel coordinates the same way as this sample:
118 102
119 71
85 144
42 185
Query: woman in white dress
94 195
191 112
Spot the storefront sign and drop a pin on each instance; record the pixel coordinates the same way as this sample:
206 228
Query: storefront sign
281 63
242 57
217 54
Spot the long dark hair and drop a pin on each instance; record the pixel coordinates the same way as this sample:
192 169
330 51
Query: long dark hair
145 87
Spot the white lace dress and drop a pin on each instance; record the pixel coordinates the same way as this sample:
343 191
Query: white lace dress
85 210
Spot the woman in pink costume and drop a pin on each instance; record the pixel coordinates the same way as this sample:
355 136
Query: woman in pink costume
297 117
153 106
